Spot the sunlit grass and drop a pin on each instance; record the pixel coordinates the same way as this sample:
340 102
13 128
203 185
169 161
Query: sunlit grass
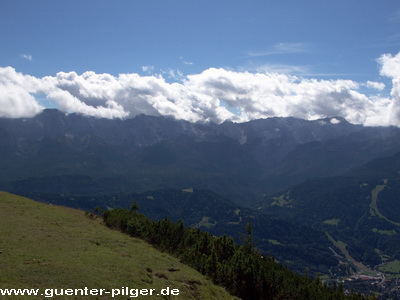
44 246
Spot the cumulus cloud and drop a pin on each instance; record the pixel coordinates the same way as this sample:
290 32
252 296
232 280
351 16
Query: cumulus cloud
390 67
16 102
15 98
259 95
212 95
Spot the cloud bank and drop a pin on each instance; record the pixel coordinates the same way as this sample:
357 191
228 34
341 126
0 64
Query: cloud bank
213 95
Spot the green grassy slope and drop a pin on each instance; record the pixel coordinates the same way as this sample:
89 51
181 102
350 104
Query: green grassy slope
44 246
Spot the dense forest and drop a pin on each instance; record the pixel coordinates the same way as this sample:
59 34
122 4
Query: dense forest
241 269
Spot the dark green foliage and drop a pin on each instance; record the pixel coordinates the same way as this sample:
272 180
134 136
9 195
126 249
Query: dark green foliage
389 202
117 218
134 206
240 269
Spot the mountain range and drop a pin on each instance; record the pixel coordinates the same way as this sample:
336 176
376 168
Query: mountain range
74 154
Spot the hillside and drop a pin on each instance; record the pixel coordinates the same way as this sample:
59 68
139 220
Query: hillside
47 246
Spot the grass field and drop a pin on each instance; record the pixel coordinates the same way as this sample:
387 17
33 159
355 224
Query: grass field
374 210
391 269
360 267
44 246
333 222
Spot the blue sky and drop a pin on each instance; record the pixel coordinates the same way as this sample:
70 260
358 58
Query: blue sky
176 39
334 39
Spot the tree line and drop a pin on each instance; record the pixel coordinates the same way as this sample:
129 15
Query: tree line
241 269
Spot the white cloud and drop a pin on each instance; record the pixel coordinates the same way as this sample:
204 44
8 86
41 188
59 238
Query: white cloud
376 85
173 74
281 48
15 98
334 121
16 102
27 56
148 69
271 94
281 68
186 62
390 67
212 95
